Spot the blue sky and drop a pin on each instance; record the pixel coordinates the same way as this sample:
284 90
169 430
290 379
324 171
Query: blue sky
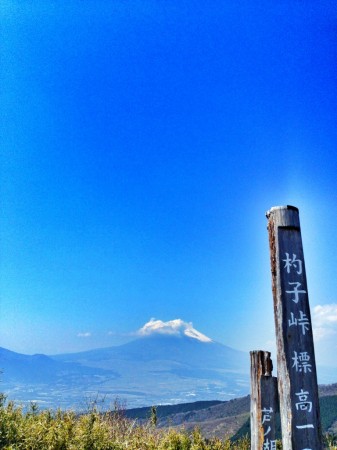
142 143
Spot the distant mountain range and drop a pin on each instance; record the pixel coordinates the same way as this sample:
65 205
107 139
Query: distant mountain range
169 363
156 368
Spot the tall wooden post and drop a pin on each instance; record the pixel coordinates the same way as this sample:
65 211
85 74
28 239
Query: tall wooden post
296 367
263 401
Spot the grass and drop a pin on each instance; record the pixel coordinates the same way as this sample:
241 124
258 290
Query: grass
65 430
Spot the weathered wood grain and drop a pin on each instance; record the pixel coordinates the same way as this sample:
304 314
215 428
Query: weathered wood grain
264 400
296 367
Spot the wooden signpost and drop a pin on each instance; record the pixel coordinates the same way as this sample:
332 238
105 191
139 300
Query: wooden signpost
263 401
296 367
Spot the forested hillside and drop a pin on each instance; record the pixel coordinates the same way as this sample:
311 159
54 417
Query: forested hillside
229 418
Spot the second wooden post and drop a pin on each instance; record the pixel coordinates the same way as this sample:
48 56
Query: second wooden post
263 401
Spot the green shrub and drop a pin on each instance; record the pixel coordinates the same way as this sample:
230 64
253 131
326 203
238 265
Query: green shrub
64 430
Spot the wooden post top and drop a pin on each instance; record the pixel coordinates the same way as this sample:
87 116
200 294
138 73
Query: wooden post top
284 216
261 360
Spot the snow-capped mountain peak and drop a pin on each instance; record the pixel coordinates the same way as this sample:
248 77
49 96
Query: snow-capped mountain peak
175 327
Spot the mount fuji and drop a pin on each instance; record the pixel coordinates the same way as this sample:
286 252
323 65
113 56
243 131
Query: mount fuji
168 362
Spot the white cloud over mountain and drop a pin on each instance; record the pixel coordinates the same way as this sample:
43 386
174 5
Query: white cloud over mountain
324 318
175 327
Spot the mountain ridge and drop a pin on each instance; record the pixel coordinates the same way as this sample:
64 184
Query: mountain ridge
156 368
227 418
159 346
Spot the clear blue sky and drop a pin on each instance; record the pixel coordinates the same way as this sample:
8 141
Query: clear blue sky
142 143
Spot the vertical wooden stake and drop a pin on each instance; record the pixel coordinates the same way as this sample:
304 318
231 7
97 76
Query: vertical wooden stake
296 367
263 401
